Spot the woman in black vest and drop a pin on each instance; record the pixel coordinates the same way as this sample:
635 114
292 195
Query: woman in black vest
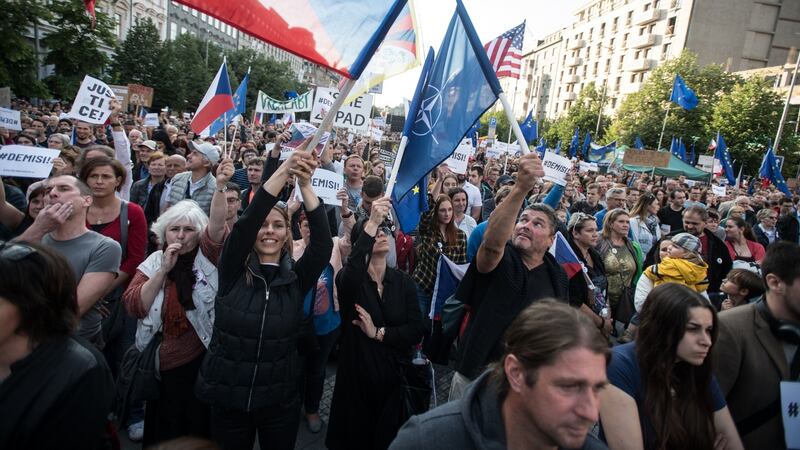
251 371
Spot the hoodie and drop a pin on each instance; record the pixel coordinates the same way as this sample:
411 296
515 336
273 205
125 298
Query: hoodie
473 422
692 272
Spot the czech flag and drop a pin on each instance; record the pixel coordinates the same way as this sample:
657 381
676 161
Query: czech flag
341 35
217 101
448 276
563 253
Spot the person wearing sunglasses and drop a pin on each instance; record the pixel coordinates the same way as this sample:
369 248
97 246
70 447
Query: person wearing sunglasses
250 373
55 389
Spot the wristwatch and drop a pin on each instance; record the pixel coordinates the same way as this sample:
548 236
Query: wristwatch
347 216
223 190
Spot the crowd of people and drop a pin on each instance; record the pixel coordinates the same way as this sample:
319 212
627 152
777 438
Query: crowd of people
175 286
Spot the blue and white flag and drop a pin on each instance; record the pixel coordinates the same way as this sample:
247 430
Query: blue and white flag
724 159
682 95
448 276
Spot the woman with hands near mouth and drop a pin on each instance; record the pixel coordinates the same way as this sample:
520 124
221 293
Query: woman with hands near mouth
173 292
381 324
250 374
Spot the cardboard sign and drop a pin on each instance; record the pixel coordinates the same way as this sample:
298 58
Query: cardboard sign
647 158
790 409
93 102
325 184
584 166
5 97
139 95
705 163
556 168
267 104
151 120
10 120
458 161
121 92
354 115
719 191
26 162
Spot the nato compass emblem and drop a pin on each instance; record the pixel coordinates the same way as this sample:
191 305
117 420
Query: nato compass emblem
430 111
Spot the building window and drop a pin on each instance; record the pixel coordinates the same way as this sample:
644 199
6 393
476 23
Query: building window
194 12
671 26
646 53
116 25
173 31
625 39
608 65
203 17
665 51
183 30
614 24
651 28
633 78
629 19
636 55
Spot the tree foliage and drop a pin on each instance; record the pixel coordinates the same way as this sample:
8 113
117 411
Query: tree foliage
583 114
139 58
74 47
18 64
642 113
503 125
267 75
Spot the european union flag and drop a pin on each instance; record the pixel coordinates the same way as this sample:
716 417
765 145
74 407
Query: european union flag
692 156
410 208
239 98
558 148
459 88
721 155
674 147
638 143
587 143
529 128
600 152
682 95
573 145
681 150
473 132
771 170
542 147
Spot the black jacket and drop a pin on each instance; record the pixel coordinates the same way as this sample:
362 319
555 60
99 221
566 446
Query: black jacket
788 228
56 397
495 300
578 288
252 361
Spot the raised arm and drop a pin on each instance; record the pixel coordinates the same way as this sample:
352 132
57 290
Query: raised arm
503 218
219 204
122 149
318 252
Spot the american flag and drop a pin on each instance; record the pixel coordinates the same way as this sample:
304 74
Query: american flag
505 52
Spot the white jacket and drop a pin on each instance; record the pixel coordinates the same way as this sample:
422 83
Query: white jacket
203 294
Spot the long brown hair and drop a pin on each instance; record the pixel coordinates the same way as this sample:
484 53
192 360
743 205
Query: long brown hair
287 245
450 231
678 402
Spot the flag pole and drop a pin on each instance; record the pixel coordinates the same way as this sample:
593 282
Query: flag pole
396 166
786 106
514 125
513 104
664 126
327 121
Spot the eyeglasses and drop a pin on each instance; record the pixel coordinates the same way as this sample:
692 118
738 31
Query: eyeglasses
14 251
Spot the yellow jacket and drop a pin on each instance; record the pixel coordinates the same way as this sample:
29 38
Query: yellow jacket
674 270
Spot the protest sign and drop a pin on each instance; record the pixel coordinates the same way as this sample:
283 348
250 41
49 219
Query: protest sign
301 131
10 120
492 152
387 156
5 97
458 161
556 168
325 184
151 120
93 102
267 104
376 134
646 158
26 162
121 92
790 399
705 163
377 89
718 190
354 115
139 95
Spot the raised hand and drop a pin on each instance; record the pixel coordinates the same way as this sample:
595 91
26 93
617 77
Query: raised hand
224 171
380 210
530 171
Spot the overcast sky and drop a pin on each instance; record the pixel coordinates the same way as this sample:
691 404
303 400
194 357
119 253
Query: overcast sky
491 18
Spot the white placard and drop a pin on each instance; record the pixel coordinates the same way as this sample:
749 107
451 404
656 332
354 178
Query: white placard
151 120
501 147
459 160
492 152
92 104
790 402
556 168
26 162
353 115
376 134
584 166
325 184
719 191
10 120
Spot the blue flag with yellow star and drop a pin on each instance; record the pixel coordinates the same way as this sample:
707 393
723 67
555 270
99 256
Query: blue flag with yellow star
238 107
771 171
411 207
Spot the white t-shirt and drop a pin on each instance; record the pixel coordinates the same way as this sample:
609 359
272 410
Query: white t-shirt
473 196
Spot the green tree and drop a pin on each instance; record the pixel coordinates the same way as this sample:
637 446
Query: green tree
74 48
186 76
18 64
642 112
267 75
748 119
501 132
139 59
583 114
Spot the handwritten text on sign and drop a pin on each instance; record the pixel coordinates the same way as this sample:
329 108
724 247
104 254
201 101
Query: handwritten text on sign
26 162
556 168
458 161
9 119
92 104
353 115
325 184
